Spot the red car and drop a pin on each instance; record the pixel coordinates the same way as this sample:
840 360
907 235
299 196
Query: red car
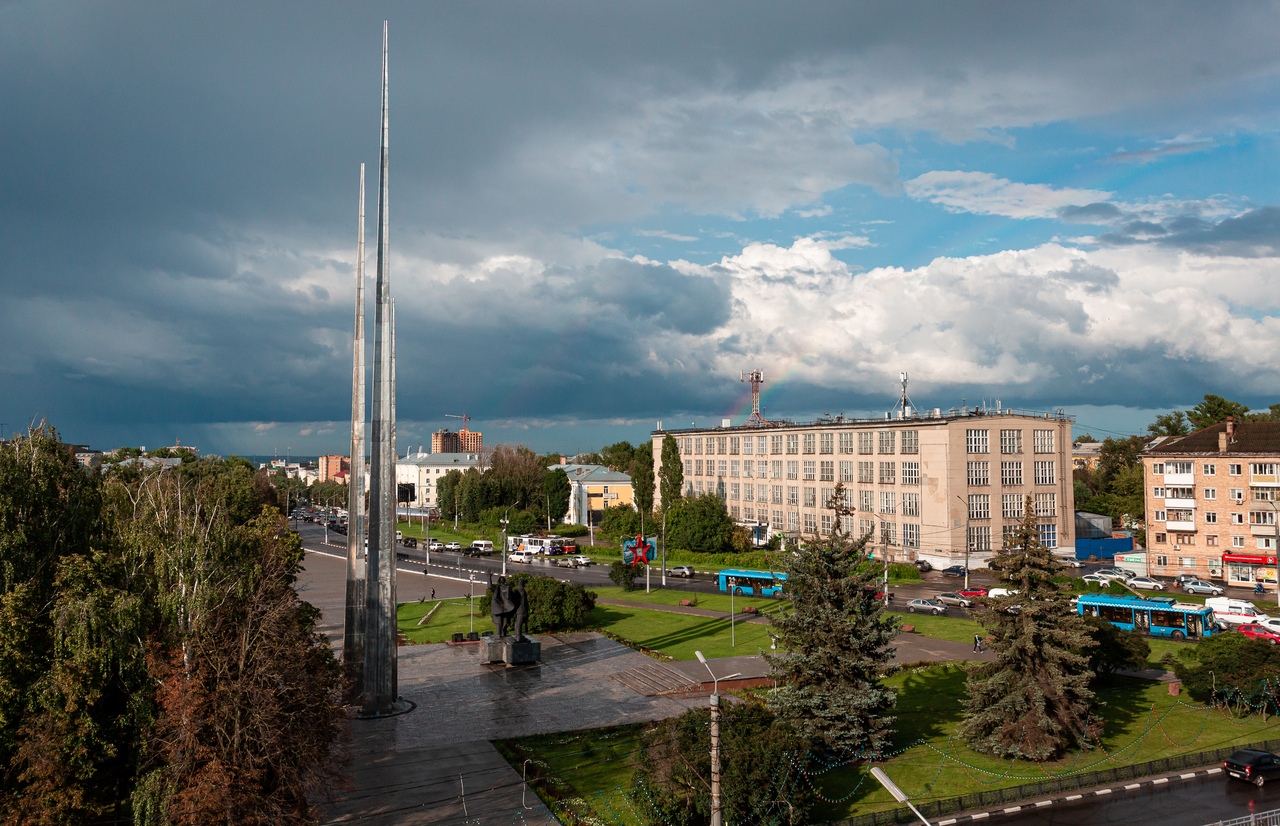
1259 632
973 592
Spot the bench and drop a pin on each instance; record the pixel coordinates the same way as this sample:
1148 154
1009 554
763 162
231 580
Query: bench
907 629
687 603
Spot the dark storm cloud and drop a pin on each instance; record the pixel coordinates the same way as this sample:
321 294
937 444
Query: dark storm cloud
1100 213
1254 234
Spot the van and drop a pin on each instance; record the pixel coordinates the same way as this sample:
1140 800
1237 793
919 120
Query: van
1228 611
523 557
481 547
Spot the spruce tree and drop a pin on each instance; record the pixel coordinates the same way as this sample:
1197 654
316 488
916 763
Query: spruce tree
837 647
1033 700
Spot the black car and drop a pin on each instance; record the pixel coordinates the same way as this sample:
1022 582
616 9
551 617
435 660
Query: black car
924 566
954 570
1256 767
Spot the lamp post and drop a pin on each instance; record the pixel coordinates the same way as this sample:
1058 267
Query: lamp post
715 738
967 542
664 547
504 536
471 600
1276 519
733 641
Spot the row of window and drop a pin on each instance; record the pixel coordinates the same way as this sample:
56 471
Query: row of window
979 536
1267 517
868 442
1257 494
1211 468
977 440
1262 543
978 474
1012 505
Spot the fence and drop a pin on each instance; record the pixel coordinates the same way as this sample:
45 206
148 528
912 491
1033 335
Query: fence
1055 785
1271 818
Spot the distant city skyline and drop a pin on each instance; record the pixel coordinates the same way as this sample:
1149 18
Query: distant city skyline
605 213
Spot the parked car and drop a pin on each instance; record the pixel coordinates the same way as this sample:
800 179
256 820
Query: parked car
1096 579
954 570
1183 579
952 598
972 592
924 566
680 570
1199 586
453 546
1252 766
1259 632
927 606
1145 583
1070 562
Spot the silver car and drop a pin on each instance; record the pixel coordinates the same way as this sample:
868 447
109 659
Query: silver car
1146 583
1199 586
926 606
952 598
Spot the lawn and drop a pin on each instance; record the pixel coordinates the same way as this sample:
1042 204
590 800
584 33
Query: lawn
449 619
1142 722
712 602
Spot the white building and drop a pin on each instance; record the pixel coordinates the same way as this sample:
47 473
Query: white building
423 471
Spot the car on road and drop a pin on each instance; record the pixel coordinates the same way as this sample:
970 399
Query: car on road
582 560
1258 631
1145 583
926 606
954 570
566 562
972 592
680 570
453 546
523 557
952 598
1199 586
1252 766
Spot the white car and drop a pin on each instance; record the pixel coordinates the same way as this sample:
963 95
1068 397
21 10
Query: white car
1146 583
582 559
453 546
1096 579
680 570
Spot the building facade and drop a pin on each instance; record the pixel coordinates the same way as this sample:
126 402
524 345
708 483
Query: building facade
592 489
418 474
463 441
332 465
1211 503
939 487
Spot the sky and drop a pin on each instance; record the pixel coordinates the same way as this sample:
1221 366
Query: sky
601 214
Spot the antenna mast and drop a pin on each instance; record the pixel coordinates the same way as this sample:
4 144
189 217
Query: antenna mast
755 378
904 401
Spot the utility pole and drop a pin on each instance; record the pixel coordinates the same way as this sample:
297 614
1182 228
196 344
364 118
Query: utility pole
715 738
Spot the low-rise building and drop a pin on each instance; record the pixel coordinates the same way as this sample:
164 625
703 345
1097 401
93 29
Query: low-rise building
939 486
418 474
1211 503
594 488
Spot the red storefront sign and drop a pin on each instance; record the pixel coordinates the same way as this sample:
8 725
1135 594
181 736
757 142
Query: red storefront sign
1249 559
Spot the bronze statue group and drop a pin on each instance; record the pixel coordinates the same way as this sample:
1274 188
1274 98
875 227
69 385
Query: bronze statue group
509 607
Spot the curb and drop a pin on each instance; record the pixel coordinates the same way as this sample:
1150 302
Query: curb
1072 798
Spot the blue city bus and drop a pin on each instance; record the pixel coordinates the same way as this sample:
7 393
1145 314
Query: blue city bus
1156 616
752 583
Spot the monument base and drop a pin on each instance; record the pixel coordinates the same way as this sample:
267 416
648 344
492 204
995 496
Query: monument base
525 652
492 650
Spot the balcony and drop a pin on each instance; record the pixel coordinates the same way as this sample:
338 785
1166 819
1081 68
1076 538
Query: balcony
1179 480
1265 481
1173 504
1180 527
1262 530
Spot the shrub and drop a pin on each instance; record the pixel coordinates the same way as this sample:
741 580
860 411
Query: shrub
570 531
553 605
624 575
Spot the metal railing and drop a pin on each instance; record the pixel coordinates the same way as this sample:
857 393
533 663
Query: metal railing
1271 818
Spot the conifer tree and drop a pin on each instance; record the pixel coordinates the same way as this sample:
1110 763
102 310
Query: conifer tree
1033 700
837 647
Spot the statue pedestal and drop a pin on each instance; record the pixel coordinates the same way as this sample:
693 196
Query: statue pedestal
492 649
521 653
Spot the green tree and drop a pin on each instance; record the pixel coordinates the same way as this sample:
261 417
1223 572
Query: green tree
553 605
619 523
1215 409
671 477
1033 700
1085 439
700 523
1115 648
1170 424
448 494
642 482
618 456
837 643
556 491
1117 454
1228 667
624 575
516 476
761 758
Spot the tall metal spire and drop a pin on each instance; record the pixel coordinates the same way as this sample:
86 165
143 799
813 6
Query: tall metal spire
380 678
353 630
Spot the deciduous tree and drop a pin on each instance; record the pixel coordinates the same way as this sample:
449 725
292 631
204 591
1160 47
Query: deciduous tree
671 477
556 491
1215 409
642 477
700 523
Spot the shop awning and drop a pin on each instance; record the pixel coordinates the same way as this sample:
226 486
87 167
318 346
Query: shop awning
1249 559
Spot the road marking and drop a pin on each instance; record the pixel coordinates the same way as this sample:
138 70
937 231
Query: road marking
946 822
1187 776
1074 797
1159 780
981 816
1102 791
1217 770
1012 809
1134 786
1044 803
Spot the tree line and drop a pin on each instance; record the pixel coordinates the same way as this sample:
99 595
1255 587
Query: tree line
156 663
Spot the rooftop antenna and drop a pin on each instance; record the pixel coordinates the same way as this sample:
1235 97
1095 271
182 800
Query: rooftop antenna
904 401
755 378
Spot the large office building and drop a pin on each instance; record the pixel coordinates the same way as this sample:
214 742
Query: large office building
935 486
1211 503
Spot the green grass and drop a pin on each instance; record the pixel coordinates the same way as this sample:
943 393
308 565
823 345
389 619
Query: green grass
1142 722
712 602
450 619
944 628
679 635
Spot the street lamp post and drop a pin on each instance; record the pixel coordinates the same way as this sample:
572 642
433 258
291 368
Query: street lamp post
967 541
733 641
1276 518
715 738
471 601
664 547
505 521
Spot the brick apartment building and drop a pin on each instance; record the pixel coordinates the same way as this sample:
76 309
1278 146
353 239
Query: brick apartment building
1211 503
332 467
928 486
463 441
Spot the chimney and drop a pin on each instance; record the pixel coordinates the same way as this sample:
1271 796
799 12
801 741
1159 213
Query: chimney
1222 442
1231 428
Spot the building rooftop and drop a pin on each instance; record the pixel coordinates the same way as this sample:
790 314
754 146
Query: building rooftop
935 416
592 473
1256 438
433 459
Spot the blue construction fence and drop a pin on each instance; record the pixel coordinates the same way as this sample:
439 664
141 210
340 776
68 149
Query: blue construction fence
1103 548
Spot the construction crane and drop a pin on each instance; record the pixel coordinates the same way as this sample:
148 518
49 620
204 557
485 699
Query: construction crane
465 419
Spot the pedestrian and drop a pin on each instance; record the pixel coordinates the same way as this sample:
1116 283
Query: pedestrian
433 593
977 644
